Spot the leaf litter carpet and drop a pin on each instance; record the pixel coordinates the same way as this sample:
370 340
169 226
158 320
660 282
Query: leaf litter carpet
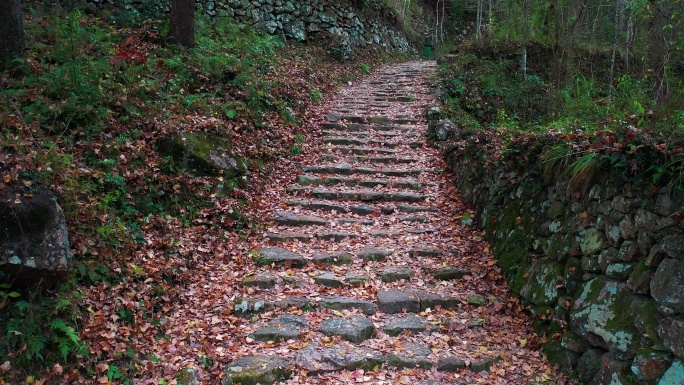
368 269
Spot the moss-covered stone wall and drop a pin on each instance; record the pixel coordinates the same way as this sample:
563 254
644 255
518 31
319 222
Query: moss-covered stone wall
353 23
601 263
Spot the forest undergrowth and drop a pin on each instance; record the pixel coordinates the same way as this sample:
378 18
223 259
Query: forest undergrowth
82 113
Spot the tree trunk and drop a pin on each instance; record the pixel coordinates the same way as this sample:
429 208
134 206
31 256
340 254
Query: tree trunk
182 29
12 43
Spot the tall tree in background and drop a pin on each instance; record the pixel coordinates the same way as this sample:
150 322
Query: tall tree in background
182 29
12 43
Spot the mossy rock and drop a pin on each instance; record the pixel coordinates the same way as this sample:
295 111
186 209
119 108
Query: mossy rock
203 154
255 370
602 314
557 354
541 287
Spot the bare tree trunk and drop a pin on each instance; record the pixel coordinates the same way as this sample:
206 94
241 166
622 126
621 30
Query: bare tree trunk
478 26
12 44
182 29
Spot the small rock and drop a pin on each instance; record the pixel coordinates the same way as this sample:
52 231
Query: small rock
425 252
278 256
253 370
346 303
450 364
414 356
395 301
328 279
374 254
392 273
335 236
412 323
339 258
476 300
316 360
448 273
262 280
356 279
357 329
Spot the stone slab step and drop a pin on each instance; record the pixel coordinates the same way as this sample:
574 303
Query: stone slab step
384 159
363 150
413 301
316 360
344 141
347 169
339 258
291 219
288 236
356 330
277 256
347 303
367 195
308 180
411 323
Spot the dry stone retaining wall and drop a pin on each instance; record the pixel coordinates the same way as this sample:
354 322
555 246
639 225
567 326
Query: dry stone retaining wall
603 271
372 24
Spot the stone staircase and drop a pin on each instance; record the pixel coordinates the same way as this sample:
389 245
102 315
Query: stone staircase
367 269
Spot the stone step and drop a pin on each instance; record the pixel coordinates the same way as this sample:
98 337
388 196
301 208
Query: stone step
307 180
385 159
359 209
347 303
363 150
356 330
277 256
347 169
290 219
288 236
413 301
344 141
366 195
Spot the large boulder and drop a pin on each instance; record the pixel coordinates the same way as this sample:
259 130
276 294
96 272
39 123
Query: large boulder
203 154
34 243
667 285
603 314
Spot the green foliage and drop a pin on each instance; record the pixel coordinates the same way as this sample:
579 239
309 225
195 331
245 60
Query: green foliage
40 329
365 68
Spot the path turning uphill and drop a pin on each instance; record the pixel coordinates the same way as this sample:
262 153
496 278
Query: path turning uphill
371 272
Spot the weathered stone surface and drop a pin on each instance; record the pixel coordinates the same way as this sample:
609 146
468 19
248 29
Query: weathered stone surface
34 242
442 130
412 323
592 241
341 303
328 279
416 209
362 209
431 301
275 333
650 365
670 331
261 280
278 256
413 356
425 252
613 371
395 301
357 329
557 354
542 286
476 300
318 205
403 197
674 374
448 273
203 154
395 273
287 236
374 253
320 360
667 286
356 279
601 314
482 364
450 364
335 236
291 219
255 370
187 376
339 258
344 141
